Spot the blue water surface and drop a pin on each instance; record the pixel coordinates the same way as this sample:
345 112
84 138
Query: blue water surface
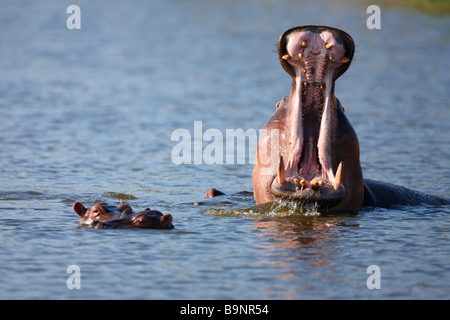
87 115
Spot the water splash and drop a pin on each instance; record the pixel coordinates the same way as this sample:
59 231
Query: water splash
278 208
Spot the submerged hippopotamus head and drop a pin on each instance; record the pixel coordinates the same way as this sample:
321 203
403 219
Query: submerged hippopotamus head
102 212
308 139
103 215
152 219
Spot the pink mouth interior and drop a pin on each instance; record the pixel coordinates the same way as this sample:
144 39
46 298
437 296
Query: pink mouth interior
314 57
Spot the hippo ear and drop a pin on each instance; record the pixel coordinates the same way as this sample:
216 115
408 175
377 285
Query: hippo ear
127 211
79 209
166 220
213 193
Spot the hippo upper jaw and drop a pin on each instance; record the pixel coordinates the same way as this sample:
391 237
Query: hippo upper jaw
310 167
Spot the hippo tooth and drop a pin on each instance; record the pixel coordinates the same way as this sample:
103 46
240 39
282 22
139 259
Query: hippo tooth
337 183
345 60
281 176
285 57
303 183
304 44
328 46
300 55
315 184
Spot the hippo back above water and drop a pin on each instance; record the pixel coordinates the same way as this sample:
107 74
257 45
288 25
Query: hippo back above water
105 216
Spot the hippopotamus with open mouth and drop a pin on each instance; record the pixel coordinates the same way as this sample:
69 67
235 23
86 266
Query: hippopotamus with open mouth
105 216
310 152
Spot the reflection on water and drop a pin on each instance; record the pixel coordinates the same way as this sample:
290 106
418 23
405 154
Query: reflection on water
306 236
87 115
294 231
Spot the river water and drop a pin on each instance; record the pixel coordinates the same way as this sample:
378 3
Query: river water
88 115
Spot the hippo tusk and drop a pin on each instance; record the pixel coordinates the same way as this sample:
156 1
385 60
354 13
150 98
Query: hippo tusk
337 183
281 175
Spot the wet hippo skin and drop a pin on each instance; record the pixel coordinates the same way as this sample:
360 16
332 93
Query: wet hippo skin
105 216
310 151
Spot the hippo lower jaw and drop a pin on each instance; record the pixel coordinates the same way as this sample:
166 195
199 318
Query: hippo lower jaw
314 58
318 190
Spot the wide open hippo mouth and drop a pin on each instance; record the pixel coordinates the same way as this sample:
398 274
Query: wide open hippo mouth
315 57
